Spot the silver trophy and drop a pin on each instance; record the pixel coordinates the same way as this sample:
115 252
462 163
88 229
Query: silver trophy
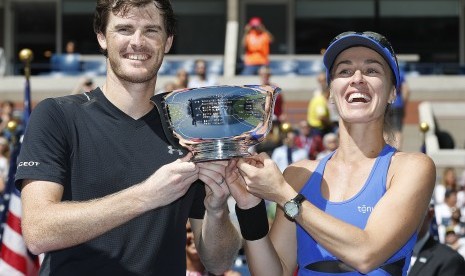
217 122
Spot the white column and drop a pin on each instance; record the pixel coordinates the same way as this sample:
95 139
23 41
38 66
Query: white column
8 36
231 39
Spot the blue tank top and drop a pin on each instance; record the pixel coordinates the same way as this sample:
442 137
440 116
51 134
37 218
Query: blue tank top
355 211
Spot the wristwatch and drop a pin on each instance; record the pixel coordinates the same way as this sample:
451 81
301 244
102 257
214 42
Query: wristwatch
292 207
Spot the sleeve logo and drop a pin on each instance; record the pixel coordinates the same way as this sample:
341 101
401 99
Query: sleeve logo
28 164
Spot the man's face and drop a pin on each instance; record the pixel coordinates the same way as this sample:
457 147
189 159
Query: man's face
191 250
136 43
200 68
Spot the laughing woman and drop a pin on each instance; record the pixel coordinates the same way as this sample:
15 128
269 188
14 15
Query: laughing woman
355 212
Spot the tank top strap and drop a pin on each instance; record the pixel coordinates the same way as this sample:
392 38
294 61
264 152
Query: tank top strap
384 160
317 174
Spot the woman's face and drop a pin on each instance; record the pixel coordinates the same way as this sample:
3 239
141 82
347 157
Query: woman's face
361 85
450 178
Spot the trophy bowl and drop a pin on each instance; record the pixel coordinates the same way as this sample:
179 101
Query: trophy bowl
217 122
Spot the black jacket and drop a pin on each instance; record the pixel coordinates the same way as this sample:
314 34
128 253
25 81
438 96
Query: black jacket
438 259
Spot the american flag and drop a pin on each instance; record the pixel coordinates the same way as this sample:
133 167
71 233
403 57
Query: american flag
15 259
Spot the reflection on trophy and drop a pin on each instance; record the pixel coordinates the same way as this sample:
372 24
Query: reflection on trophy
217 122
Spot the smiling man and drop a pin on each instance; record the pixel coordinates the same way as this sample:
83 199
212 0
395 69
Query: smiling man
107 194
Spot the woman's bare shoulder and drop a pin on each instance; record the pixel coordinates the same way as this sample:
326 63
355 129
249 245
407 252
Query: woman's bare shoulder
413 160
415 167
299 172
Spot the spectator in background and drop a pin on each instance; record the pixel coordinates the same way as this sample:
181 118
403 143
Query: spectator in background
272 140
70 47
432 258
84 84
288 153
448 182
182 79
455 242
200 79
169 86
330 143
194 265
461 195
456 222
444 212
256 42
4 162
397 114
6 115
278 113
308 140
318 113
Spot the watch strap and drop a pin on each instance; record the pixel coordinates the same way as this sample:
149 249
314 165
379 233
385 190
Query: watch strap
299 198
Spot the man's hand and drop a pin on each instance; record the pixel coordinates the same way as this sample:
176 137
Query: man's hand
213 175
170 182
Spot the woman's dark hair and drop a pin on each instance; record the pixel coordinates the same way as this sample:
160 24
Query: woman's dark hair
104 7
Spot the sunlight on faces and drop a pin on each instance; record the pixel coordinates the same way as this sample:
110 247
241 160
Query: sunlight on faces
361 85
136 43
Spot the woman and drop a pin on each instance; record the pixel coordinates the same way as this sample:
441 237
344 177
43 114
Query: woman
357 211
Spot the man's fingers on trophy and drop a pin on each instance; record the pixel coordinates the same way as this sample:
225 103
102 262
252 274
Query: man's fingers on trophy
186 157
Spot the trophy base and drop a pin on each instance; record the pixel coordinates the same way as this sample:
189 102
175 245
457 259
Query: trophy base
219 150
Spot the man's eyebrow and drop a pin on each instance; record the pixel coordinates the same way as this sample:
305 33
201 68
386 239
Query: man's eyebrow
154 26
117 26
151 26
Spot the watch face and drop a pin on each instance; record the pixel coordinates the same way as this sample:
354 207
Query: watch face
291 209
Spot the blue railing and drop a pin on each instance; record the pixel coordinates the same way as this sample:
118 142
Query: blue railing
71 65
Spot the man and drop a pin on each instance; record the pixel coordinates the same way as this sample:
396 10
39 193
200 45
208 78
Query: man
278 112
103 192
431 258
200 79
194 265
312 142
288 153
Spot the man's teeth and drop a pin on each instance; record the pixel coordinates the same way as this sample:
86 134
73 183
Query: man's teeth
359 97
137 57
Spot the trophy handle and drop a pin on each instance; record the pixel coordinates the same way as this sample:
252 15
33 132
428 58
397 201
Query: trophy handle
159 101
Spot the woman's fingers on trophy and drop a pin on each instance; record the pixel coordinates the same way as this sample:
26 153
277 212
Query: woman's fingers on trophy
233 177
238 187
249 165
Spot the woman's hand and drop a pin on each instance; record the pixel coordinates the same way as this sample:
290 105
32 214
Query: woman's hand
238 187
262 177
